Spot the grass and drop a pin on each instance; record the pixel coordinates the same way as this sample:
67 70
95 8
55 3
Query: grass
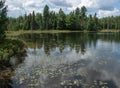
109 31
16 33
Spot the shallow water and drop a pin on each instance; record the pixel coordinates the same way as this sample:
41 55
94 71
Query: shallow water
69 60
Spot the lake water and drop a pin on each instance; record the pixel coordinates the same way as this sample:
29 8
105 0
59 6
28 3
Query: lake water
69 60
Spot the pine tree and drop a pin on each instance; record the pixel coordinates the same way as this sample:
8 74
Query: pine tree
61 23
3 19
46 17
70 21
83 17
33 22
77 19
39 20
90 24
96 23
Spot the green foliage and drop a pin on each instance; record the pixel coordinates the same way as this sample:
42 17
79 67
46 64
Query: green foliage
52 20
75 20
61 23
46 17
39 20
10 48
3 19
90 24
110 23
70 21
33 22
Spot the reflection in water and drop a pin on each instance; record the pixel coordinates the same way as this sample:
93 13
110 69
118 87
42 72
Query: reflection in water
69 60
7 71
5 83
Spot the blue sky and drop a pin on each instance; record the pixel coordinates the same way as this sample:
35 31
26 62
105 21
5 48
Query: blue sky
103 8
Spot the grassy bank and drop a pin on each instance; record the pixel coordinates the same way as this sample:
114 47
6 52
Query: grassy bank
16 33
109 30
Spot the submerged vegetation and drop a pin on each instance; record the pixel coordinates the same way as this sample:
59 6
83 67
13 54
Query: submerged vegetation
63 75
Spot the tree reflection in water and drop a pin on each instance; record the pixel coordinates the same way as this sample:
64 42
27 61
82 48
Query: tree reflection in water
7 71
69 60
6 83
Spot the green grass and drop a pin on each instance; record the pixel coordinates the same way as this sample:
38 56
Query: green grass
109 30
16 33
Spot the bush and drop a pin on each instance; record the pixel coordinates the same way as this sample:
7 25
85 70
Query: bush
10 48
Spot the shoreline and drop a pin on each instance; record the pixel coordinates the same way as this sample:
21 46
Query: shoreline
16 33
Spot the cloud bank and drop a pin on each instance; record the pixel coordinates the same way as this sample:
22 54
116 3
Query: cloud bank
102 8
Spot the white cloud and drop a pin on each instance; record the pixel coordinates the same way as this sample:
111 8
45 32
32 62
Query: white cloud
20 7
104 13
89 4
28 6
13 8
62 3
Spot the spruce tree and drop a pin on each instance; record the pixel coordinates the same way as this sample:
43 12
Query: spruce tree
61 23
46 17
33 22
3 19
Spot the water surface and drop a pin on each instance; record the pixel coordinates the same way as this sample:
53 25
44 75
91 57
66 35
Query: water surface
69 60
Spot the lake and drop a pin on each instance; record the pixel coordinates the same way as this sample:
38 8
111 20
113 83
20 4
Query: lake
68 60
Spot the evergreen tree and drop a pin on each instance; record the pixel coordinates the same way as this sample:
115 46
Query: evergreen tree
70 21
77 19
61 23
25 22
83 17
39 20
96 23
90 24
3 19
46 17
52 20
33 22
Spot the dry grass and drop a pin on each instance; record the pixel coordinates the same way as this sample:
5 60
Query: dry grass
110 30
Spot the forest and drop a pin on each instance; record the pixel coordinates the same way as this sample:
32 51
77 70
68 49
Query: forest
78 19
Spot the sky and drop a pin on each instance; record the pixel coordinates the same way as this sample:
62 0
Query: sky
103 8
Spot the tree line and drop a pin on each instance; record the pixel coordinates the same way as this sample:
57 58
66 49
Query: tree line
110 23
75 20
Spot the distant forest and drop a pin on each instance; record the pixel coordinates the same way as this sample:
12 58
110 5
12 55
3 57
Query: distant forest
75 20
